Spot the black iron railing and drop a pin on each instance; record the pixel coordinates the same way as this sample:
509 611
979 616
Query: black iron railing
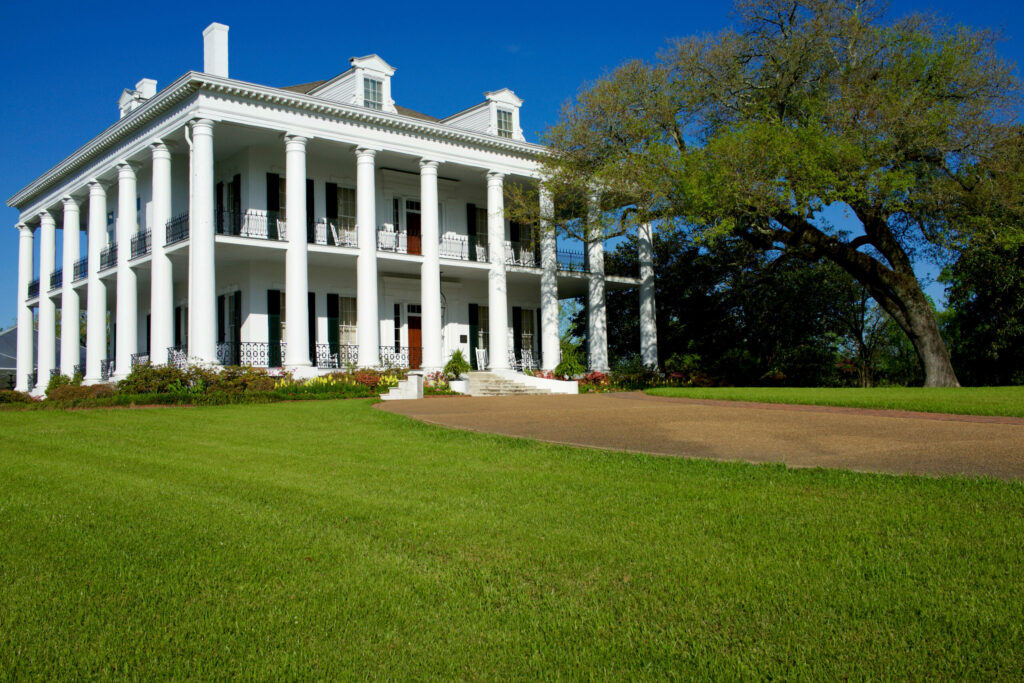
56 279
261 225
401 356
571 261
106 369
142 243
33 289
32 380
81 269
108 257
54 372
177 356
79 370
177 229
140 359
336 356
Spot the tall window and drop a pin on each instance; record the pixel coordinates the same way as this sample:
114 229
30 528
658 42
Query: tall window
346 208
373 93
282 201
347 321
483 324
527 318
504 123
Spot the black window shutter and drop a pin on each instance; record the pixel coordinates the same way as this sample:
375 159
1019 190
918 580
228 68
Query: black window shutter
539 337
333 313
311 306
474 331
332 201
273 192
221 318
177 325
220 207
236 190
310 209
274 327
471 231
517 330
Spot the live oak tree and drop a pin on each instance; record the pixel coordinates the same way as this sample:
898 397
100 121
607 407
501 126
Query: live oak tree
907 125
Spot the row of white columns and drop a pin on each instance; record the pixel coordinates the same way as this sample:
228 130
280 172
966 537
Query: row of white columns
202 272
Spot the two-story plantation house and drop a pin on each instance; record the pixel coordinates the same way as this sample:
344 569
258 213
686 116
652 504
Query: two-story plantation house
313 226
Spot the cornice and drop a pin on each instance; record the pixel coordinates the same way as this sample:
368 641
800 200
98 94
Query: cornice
194 82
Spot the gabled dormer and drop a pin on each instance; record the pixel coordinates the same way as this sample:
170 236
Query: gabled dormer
132 99
497 115
366 84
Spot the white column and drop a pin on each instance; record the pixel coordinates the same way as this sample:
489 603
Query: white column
25 351
430 272
127 328
96 316
367 323
296 281
597 325
202 294
70 307
497 291
161 287
548 283
648 326
47 310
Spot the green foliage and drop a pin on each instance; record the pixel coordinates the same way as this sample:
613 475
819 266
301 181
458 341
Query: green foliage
240 551
457 365
630 373
68 392
9 396
571 364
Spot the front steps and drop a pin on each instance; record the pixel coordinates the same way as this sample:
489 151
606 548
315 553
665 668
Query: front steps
490 384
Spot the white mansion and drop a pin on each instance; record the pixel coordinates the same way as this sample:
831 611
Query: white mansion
309 227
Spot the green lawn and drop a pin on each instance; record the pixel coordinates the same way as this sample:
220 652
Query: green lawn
326 539
1008 401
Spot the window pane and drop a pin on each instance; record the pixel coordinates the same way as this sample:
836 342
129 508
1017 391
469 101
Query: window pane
346 208
373 93
504 123
347 334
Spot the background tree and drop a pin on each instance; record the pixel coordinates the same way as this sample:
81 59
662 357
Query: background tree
810 104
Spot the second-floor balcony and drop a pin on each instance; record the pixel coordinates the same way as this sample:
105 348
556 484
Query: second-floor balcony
81 269
177 229
108 257
260 225
33 289
141 244
56 279
331 232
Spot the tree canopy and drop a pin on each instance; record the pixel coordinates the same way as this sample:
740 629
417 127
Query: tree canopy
911 125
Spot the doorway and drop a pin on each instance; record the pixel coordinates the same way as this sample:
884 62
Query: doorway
415 341
412 227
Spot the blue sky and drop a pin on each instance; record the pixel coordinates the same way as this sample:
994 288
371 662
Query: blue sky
67 63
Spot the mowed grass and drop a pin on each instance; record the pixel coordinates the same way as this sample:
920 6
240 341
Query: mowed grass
1005 401
326 539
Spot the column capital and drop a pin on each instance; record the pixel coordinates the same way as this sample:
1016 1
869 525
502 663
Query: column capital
96 187
46 217
495 178
296 138
428 165
24 229
159 149
125 170
365 153
69 202
201 126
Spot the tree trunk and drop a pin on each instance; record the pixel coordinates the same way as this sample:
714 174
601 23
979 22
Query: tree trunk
916 317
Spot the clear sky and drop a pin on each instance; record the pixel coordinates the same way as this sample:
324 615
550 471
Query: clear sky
65 64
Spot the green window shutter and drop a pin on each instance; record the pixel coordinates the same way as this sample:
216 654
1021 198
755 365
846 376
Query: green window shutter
474 330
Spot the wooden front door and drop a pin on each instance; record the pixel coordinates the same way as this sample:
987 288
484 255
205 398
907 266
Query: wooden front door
412 227
415 341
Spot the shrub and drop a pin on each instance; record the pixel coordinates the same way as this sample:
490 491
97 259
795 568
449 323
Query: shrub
57 380
594 383
457 365
631 373
234 379
71 392
571 364
156 379
11 396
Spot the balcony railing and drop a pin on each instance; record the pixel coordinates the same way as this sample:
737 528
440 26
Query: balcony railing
79 370
262 225
56 279
464 247
140 359
519 254
328 232
142 243
177 229
33 289
108 257
388 239
401 356
251 354
336 356
177 356
81 269
106 369
571 261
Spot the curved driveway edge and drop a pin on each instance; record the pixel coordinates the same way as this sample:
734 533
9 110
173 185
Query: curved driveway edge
799 436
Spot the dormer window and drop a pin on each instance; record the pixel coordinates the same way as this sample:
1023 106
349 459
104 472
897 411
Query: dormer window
504 123
373 93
